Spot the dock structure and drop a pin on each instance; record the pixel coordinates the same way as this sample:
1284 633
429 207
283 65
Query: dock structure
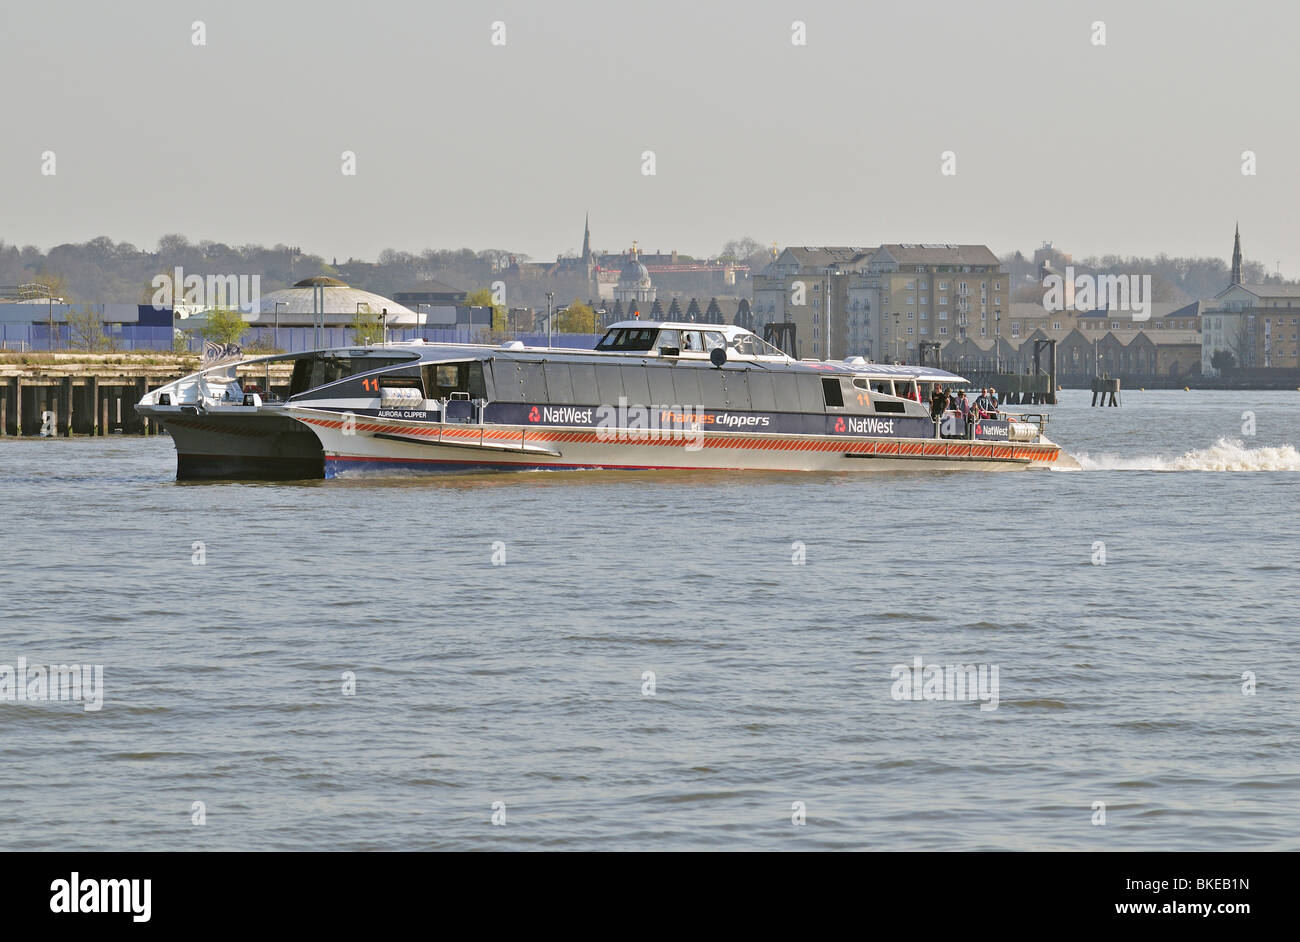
69 394
1022 390
1104 386
1035 387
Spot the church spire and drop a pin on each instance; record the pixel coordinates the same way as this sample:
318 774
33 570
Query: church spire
586 239
1236 257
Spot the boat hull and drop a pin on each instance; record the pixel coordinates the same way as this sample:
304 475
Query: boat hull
244 445
365 444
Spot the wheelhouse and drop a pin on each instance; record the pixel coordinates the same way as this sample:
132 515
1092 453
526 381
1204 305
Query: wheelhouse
669 339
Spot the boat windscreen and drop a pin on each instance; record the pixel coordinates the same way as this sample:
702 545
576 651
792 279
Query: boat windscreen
754 346
632 339
321 369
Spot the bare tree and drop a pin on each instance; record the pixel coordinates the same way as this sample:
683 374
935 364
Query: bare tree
86 330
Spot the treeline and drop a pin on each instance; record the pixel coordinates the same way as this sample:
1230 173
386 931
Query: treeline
102 270
1173 279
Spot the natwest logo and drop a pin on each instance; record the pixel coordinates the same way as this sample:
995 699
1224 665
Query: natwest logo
566 415
870 426
534 415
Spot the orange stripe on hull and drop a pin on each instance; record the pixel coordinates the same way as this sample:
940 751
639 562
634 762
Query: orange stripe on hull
958 450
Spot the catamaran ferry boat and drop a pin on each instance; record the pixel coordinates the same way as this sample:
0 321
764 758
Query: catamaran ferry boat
651 395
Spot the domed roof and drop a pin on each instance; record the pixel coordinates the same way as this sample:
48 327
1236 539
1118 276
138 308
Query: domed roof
634 273
339 298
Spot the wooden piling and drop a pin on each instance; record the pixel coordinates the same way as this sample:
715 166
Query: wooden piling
63 423
137 420
91 400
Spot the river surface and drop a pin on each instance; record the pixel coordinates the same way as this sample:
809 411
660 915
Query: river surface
670 661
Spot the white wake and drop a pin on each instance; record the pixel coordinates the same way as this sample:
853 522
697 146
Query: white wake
1223 455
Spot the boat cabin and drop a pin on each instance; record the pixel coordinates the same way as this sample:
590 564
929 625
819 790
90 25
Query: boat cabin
684 339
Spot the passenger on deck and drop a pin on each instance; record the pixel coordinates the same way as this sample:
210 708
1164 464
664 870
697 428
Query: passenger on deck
967 414
938 402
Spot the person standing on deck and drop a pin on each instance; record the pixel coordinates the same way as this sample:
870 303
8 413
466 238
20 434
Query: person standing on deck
938 402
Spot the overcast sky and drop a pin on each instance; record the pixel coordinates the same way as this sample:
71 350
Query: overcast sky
1133 148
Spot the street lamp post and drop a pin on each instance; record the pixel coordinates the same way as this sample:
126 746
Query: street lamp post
997 342
827 298
419 329
276 333
549 296
896 329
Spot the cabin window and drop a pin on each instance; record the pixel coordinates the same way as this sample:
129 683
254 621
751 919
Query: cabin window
661 386
832 393
713 339
861 382
810 392
668 339
636 386
583 376
532 381
323 368
443 379
762 393
628 338
737 388
786 389
713 391
744 344
476 381
505 382
609 384
559 388
692 341
686 385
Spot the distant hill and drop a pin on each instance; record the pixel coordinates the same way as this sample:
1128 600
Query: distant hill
102 270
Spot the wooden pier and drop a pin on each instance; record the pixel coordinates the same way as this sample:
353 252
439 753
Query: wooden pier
87 394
